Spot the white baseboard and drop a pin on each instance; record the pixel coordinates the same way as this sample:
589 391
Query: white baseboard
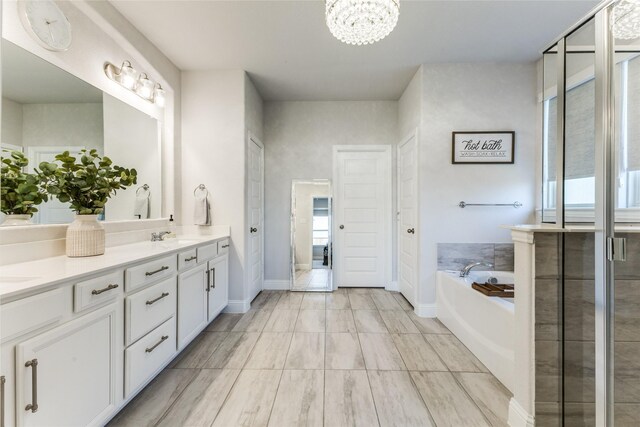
518 417
393 286
276 285
237 306
303 267
425 310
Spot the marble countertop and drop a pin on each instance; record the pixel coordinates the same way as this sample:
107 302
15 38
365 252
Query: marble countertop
551 228
26 277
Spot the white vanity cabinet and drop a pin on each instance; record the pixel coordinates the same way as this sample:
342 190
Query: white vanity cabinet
192 304
218 288
68 376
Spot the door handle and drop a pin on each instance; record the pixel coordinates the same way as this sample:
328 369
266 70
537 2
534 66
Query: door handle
253 230
411 231
33 406
213 277
341 227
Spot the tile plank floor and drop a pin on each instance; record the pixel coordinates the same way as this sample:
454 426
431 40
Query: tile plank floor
355 357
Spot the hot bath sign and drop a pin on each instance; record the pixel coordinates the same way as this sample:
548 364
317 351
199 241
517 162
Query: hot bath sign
483 147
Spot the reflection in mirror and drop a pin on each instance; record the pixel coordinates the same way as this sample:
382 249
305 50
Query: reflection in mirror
311 248
46 111
550 133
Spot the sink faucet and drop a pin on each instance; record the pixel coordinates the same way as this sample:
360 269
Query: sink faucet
158 237
465 271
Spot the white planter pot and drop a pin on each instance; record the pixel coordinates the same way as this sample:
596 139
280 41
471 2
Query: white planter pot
85 237
16 219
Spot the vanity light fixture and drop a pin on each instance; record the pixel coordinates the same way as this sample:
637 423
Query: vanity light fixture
138 83
625 20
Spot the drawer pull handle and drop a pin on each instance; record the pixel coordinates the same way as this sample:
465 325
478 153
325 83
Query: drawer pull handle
33 406
108 288
153 301
153 347
151 273
213 277
225 246
191 258
2 381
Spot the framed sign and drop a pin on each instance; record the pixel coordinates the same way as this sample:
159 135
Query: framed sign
483 147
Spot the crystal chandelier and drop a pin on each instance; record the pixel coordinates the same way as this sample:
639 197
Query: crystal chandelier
362 21
625 20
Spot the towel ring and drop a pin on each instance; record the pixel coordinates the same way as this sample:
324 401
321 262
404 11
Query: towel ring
145 187
201 187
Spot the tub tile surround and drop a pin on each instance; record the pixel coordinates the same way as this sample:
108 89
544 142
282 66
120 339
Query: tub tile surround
577 323
322 378
455 256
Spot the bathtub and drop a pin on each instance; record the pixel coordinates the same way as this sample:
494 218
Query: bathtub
486 325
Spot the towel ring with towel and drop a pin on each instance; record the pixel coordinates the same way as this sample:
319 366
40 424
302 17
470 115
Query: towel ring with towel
142 203
202 208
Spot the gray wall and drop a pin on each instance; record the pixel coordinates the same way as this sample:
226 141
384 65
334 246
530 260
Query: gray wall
298 139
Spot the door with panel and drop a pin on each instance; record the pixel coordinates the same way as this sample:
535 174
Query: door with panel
408 217
255 215
68 376
218 286
363 215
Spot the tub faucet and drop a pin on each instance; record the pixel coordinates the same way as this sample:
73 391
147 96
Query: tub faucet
465 271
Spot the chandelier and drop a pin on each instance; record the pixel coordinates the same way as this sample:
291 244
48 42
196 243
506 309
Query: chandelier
361 21
625 20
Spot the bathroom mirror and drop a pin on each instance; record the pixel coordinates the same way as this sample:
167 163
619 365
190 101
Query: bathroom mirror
311 248
46 110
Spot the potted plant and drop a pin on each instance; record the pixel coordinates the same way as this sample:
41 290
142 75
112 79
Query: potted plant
86 183
20 191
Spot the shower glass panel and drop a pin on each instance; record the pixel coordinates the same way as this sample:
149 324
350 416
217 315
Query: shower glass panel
579 125
549 133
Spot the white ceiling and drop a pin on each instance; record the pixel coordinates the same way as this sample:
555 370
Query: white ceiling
29 79
290 54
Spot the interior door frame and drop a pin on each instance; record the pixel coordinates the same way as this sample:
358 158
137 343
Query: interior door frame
403 141
252 138
386 150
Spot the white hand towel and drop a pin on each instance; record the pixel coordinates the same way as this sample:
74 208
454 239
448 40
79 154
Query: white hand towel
202 210
142 206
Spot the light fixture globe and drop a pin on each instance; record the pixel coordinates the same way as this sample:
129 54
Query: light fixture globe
625 20
362 21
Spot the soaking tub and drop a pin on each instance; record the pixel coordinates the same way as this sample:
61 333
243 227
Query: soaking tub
486 325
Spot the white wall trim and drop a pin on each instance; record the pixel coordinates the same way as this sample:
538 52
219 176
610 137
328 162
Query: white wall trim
393 286
518 417
277 285
238 306
425 310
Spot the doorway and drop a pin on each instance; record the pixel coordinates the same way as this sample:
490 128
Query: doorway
255 215
363 187
408 217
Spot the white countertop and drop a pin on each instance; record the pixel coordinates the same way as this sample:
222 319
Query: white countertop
26 277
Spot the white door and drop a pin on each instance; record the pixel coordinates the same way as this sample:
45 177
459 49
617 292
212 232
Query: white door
71 372
363 215
408 218
218 286
53 211
192 304
255 208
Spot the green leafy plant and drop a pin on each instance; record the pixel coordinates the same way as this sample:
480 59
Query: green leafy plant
87 183
20 191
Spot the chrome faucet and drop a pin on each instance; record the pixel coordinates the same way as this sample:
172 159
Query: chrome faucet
465 271
158 237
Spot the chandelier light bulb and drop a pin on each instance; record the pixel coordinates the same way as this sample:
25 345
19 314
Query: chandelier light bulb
361 22
625 20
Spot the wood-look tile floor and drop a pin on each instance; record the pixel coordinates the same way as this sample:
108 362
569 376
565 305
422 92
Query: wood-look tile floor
354 357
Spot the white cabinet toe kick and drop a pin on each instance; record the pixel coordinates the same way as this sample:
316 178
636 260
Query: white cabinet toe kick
76 351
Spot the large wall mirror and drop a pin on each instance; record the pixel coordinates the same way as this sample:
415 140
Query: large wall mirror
46 110
311 248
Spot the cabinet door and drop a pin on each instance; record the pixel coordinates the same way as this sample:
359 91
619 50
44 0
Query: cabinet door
192 304
68 376
218 285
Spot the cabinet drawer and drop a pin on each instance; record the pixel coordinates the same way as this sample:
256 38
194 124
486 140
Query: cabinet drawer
148 308
187 259
223 246
92 292
207 252
28 314
141 275
145 357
